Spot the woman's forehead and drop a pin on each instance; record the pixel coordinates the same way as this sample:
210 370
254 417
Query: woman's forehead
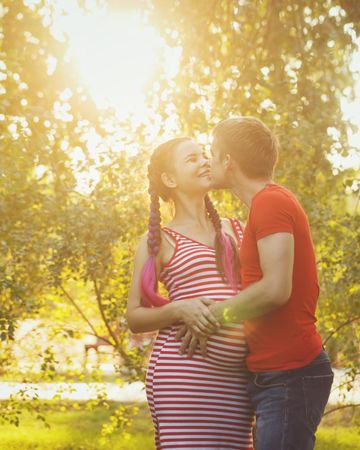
188 147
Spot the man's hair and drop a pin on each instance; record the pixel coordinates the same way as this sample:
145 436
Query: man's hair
250 143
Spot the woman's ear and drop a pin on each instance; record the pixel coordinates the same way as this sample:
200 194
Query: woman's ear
168 180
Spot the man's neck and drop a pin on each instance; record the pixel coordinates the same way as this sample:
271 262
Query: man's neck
246 188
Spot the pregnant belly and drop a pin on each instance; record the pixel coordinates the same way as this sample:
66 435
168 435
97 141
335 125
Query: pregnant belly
225 348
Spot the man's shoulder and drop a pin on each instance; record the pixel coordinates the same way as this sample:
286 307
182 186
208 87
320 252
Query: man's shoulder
274 194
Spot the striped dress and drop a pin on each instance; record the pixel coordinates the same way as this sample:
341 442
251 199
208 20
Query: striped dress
199 403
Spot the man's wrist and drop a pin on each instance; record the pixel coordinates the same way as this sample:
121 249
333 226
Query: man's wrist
222 312
218 311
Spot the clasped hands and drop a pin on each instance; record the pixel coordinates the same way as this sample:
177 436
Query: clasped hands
199 321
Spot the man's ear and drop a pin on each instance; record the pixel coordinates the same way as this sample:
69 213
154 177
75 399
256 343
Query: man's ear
168 180
228 162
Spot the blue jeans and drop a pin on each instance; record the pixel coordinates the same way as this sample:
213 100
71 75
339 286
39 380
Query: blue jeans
289 404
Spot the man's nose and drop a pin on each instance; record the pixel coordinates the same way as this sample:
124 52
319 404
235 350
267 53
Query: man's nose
205 161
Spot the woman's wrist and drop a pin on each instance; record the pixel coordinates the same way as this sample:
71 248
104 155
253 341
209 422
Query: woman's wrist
175 310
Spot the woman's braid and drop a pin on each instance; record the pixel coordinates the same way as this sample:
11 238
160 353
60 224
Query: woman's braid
227 257
215 219
154 234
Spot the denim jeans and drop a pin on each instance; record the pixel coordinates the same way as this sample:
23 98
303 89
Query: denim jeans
289 404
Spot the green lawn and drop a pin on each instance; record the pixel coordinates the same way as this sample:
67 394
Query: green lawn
74 430
80 430
338 438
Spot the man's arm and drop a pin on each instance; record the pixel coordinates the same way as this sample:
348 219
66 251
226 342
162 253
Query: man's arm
276 254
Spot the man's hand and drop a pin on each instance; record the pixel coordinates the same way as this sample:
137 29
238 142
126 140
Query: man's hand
219 312
191 341
181 332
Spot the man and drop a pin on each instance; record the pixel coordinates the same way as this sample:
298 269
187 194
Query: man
291 375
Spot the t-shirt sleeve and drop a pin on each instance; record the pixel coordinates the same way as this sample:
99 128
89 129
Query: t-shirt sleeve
272 212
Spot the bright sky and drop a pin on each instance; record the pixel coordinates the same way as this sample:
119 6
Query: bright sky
117 54
351 111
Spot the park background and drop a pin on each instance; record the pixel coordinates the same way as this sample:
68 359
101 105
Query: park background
87 89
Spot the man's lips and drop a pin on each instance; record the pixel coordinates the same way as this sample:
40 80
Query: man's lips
205 174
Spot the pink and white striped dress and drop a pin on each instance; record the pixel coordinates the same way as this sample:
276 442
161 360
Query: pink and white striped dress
199 403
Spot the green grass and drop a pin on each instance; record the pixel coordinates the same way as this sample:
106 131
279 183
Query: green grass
340 430
337 438
73 429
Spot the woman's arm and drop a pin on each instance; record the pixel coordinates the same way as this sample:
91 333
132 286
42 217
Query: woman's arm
141 319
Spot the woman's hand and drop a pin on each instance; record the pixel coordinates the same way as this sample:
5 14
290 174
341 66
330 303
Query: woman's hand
196 315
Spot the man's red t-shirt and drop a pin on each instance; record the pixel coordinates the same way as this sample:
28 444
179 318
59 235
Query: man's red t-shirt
285 338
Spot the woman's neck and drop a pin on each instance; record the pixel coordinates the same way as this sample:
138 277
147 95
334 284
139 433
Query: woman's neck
191 212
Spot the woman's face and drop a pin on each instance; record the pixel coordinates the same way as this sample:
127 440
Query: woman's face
190 171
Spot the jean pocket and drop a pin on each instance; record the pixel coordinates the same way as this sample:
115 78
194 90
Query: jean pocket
268 380
316 390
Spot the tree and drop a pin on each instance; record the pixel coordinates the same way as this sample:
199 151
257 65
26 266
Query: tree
51 231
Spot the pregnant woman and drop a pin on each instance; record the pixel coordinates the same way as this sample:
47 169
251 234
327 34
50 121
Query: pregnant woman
199 402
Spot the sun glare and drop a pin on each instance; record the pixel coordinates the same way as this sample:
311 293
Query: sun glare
116 55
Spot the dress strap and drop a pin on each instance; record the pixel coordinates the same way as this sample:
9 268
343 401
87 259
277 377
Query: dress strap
238 230
170 236
179 237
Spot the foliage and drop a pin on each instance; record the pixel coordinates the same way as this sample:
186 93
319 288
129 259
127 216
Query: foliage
53 235
13 409
66 251
51 232
121 419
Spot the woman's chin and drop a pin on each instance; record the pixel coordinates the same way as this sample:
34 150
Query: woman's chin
205 182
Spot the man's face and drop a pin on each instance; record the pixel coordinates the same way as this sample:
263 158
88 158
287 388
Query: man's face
219 167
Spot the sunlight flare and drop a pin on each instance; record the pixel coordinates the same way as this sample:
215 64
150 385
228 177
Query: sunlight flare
116 55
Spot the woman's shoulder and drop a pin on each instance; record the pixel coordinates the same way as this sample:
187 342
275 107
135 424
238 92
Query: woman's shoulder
166 249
